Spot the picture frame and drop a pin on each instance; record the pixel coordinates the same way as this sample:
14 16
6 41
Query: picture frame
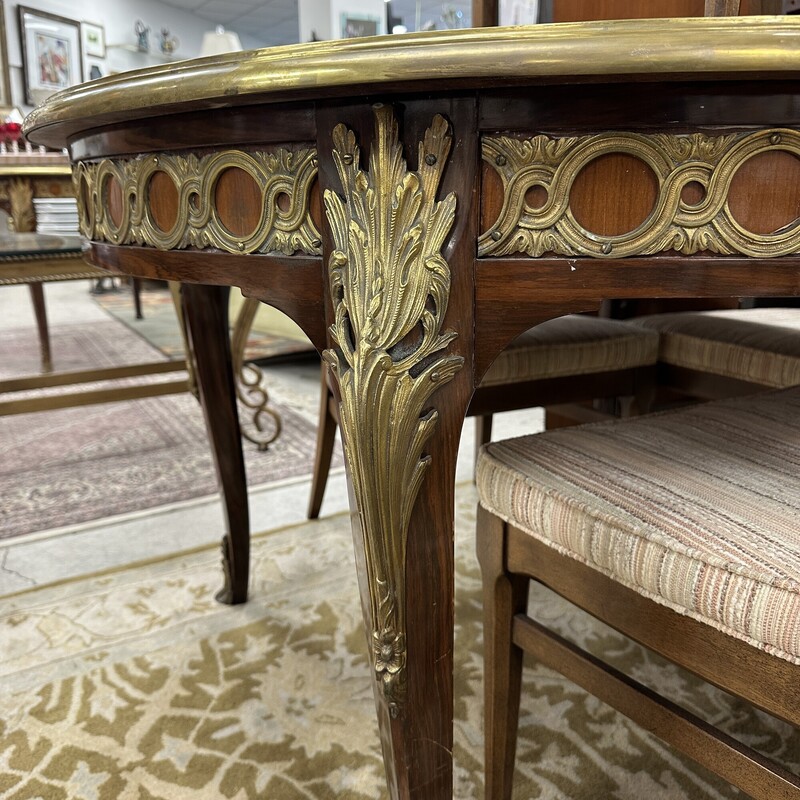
5 79
93 39
52 55
357 25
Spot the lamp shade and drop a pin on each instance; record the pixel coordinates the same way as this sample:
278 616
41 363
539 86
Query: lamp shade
219 41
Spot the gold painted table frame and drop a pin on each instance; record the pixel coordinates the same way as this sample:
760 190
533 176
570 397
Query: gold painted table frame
412 203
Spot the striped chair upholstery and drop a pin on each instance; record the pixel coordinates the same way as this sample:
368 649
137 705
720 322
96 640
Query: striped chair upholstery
573 345
759 346
695 511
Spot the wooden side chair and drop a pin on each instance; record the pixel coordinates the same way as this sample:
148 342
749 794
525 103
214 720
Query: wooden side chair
715 354
679 529
567 360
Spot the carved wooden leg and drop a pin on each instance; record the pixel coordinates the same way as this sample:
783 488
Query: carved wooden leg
326 437
412 651
398 364
503 596
40 311
206 314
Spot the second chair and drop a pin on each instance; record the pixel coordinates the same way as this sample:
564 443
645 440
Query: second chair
568 360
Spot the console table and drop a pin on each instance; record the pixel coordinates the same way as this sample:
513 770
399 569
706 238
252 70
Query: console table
414 202
35 259
25 176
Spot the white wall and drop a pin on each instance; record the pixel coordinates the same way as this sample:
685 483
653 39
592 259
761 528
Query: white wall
324 16
118 17
313 17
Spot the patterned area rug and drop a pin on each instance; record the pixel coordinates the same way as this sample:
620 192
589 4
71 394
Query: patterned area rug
136 685
77 464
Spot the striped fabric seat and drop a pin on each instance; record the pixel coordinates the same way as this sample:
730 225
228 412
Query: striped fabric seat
757 345
573 345
697 509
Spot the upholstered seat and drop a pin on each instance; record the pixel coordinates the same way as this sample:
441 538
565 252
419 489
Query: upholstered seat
697 509
573 345
758 346
567 360
679 529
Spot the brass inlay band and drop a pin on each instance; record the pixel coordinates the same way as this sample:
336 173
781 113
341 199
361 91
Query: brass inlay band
283 175
66 276
554 163
390 287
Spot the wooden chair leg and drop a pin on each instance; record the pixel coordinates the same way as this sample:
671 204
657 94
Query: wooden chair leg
136 288
40 311
326 436
645 391
504 595
483 432
626 405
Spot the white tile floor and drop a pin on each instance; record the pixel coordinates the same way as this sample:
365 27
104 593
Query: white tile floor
49 556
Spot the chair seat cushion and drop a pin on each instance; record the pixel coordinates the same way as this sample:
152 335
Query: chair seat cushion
573 345
698 509
758 345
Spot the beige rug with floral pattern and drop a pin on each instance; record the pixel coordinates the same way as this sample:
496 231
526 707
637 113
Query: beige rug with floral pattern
136 685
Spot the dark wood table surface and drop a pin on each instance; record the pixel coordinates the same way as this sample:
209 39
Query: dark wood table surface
415 202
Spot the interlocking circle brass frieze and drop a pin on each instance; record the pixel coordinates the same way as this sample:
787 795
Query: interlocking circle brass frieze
550 166
283 178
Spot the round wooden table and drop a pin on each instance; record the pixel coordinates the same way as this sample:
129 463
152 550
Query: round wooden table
413 203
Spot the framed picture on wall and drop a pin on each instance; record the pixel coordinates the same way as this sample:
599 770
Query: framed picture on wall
52 56
5 81
93 39
354 25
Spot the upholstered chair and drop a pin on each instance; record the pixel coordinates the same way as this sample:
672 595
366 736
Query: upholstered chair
679 529
715 354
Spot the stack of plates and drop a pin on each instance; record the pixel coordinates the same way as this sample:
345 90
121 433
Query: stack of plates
56 214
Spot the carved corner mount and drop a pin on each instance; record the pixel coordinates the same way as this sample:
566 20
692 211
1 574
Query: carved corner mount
390 287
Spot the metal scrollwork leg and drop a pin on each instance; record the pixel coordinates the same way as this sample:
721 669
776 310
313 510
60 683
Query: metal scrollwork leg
250 388
175 291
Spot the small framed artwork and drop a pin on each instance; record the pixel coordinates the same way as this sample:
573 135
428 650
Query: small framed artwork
52 56
354 25
93 38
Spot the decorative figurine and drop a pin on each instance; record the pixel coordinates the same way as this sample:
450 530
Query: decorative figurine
142 32
169 44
